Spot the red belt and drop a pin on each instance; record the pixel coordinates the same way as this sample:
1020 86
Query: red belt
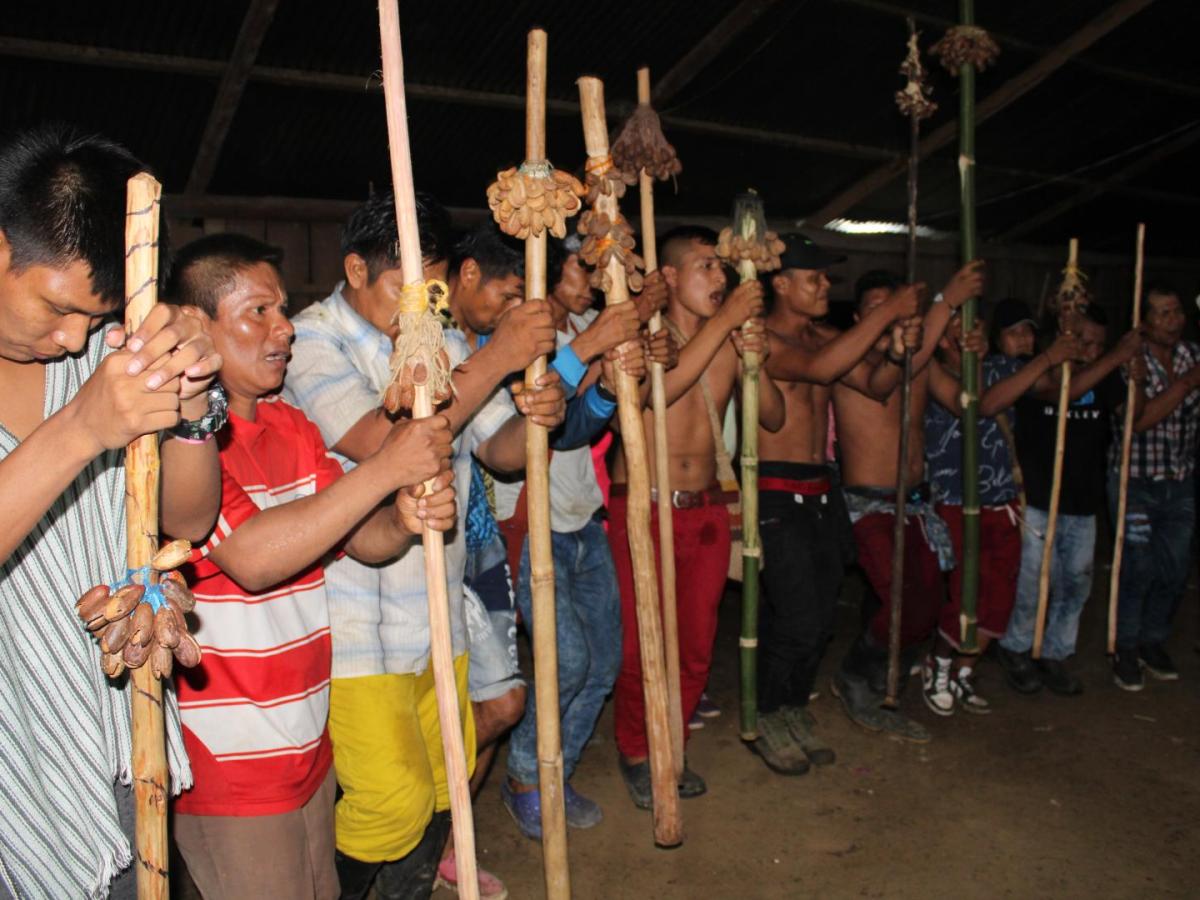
712 496
811 487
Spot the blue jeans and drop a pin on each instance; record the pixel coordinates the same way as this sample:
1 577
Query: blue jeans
1070 583
1160 517
588 607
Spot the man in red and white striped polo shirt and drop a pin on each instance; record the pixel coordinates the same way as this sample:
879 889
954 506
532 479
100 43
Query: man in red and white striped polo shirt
259 821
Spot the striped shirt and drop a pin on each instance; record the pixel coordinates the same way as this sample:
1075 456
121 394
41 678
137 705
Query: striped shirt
64 727
380 614
254 710
1166 452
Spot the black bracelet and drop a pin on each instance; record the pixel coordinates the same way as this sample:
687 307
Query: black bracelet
213 420
604 392
893 360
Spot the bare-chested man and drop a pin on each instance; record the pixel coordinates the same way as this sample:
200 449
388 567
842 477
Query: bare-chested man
805 530
709 322
868 435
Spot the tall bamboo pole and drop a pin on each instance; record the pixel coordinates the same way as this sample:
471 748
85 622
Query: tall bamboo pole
751 546
896 598
662 468
441 649
970 362
1114 583
1060 443
668 824
541 555
142 198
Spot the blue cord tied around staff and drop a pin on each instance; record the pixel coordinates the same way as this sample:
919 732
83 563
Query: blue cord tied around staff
154 593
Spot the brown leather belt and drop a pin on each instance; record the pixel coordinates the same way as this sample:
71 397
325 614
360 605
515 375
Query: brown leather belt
712 496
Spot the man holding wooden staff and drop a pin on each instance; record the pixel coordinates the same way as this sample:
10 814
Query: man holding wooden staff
1160 515
382 686
1095 393
74 393
708 319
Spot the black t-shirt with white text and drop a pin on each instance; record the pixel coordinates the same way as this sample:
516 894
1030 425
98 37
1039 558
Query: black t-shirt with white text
1084 459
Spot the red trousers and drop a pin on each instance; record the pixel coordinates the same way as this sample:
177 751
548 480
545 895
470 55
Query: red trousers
922 593
999 566
701 563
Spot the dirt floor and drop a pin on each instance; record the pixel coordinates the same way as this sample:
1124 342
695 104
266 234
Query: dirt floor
1093 796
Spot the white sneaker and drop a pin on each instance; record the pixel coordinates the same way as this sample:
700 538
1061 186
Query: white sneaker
935 685
962 686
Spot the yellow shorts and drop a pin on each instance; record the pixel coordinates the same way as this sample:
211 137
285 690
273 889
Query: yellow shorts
387 750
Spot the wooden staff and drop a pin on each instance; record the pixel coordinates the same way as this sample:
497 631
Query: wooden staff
441 650
1114 583
541 555
1060 441
668 825
142 198
662 468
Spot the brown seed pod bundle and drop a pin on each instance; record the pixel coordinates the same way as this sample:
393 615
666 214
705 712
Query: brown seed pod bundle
606 240
526 200
765 254
965 44
642 145
914 99
604 179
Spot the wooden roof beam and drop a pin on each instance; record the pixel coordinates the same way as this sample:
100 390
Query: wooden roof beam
1012 90
229 93
1142 164
708 48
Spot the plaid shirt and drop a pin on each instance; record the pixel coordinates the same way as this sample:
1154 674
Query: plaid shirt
379 615
1166 452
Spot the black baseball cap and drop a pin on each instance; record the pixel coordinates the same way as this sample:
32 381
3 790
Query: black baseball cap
802 253
1009 312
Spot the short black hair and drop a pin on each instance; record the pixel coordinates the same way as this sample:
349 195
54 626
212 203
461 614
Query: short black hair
1095 314
371 232
206 269
62 200
876 278
558 251
496 254
675 242
1160 289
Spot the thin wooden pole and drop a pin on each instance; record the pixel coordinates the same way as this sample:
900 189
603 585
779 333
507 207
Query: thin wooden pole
441 650
1060 442
751 546
896 598
668 824
662 469
555 865
970 361
142 198
1114 583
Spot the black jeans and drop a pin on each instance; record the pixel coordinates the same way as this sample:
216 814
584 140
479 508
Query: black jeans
805 552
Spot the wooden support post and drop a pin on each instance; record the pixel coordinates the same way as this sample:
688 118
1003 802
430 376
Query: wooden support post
555 865
668 825
142 198
1060 442
1114 582
662 469
441 649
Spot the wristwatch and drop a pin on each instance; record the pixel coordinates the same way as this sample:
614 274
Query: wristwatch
605 393
197 431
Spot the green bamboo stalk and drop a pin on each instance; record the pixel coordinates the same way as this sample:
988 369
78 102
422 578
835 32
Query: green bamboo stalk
751 552
969 565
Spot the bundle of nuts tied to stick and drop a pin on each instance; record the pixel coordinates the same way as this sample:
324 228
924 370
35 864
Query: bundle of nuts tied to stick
535 196
140 620
642 145
765 254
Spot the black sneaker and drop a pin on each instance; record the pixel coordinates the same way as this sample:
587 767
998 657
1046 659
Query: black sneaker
1155 660
1019 670
1056 676
637 781
1127 670
690 784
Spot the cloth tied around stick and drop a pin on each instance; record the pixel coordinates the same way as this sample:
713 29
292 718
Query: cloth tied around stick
536 196
641 145
419 356
966 45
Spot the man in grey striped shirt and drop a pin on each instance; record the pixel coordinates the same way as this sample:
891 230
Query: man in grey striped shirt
74 390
